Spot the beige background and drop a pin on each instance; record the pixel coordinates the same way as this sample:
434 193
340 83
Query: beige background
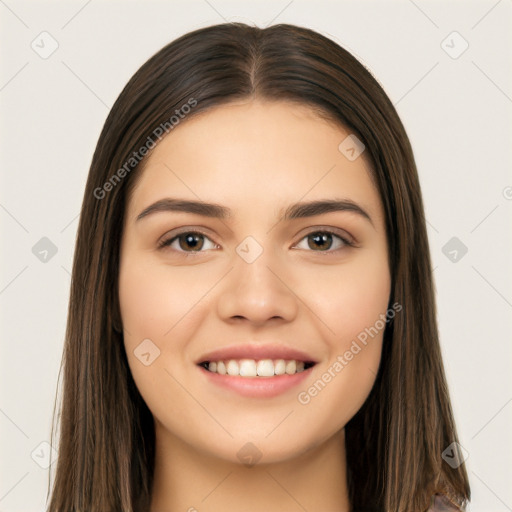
457 110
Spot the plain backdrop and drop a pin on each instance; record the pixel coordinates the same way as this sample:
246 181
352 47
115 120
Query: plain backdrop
446 67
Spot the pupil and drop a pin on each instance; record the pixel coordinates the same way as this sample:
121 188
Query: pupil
191 240
322 238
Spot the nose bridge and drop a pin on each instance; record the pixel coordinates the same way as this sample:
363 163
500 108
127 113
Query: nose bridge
255 289
253 263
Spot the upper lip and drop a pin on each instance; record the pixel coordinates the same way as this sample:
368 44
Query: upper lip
257 352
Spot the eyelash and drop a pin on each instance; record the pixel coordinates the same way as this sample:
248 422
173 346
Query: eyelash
167 242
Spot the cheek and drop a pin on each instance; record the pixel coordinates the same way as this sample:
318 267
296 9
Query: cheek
353 306
351 298
150 306
165 307
152 301
364 298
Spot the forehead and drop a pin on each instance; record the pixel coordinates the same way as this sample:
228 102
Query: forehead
255 154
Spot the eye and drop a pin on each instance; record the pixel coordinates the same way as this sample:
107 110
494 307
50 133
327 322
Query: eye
324 239
193 240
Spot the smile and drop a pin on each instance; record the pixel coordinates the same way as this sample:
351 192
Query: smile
250 368
264 378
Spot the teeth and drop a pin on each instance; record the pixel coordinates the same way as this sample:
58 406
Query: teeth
265 368
253 368
247 368
233 368
291 366
279 367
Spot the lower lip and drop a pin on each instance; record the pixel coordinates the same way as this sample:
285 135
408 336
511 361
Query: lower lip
257 387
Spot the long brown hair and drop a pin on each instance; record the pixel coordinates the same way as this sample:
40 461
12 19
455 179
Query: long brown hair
395 441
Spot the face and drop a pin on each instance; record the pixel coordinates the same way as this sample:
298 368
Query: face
258 288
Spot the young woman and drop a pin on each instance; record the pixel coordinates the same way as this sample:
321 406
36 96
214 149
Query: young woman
252 322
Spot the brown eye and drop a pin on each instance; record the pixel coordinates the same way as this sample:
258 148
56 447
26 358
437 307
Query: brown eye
323 241
320 241
189 241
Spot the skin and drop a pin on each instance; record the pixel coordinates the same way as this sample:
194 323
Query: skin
256 158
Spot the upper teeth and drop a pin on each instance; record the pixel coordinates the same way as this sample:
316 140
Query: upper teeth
253 368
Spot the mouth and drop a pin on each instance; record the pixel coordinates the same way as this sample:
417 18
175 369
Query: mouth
257 368
262 370
256 379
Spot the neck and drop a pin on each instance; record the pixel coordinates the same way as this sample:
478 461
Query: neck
191 481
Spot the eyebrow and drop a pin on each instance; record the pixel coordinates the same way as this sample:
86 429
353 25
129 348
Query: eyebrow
294 211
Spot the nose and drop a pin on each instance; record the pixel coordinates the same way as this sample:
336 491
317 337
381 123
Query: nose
257 291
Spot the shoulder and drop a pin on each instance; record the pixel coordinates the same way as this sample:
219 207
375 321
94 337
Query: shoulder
441 503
